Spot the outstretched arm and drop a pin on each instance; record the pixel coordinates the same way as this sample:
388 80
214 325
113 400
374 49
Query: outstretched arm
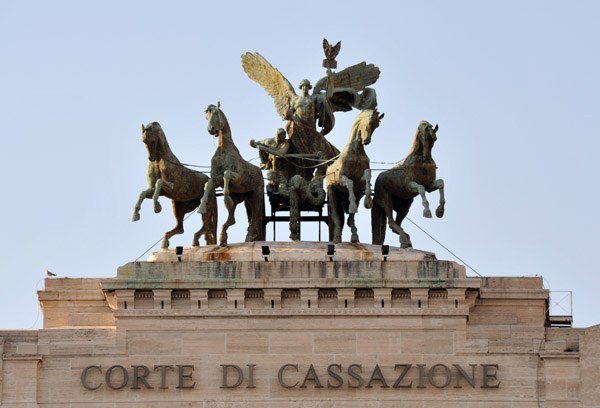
330 83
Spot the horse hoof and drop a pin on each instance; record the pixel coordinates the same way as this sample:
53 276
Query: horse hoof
223 245
368 203
136 217
165 245
427 213
202 209
354 239
157 208
439 212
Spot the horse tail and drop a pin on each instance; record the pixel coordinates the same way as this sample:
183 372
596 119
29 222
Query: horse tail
378 223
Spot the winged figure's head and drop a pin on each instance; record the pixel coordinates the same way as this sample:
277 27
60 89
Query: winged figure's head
305 86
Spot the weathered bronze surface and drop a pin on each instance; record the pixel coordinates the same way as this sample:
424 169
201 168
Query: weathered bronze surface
272 153
297 164
336 92
396 188
331 51
349 177
307 152
241 180
185 187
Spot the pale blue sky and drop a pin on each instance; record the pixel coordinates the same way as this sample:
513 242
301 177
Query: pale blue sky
513 86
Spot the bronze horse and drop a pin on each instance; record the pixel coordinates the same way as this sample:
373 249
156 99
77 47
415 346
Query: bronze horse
396 188
241 181
168 177
349 177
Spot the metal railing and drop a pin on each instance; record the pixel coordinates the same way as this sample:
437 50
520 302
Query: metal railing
560 308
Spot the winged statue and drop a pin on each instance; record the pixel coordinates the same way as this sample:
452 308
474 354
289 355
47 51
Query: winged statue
340 91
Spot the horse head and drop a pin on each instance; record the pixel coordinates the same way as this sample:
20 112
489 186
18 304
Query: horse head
368 122
152 136
217 121
426 136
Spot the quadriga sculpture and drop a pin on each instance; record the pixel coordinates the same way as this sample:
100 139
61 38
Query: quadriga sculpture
168 177
241 181
396 188
349 177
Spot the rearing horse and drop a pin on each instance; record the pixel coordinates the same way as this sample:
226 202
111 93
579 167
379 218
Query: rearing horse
349 177
241 181
396 188
168 177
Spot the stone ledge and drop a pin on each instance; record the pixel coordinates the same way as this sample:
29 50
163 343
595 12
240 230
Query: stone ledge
291 251
241 312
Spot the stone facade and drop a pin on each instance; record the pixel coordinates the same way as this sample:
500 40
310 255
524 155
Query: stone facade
297 327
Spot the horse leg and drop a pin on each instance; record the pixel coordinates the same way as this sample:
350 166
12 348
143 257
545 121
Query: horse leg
352 225
419 189
155 203
295 201
136 210
395 224
335 230
378 224
366 178
230 221
349 184
209 223
208 187
179 212
438 185
402 209
151 177
228 177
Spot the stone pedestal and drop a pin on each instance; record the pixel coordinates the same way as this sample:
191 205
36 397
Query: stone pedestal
227 328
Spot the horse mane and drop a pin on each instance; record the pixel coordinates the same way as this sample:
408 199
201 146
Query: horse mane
361 121
417 142
225 132
164 150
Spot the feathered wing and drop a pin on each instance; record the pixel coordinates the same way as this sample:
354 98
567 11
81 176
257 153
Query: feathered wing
261 71
336 49
357 76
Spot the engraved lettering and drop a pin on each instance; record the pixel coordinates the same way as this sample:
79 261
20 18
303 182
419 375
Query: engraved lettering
240 375
137 377
337 377
432 376
84 374
490 374
251 375
421 375
398 383
311 375
183 376
280 375
460 372
377 375
355 375
163 375
109 377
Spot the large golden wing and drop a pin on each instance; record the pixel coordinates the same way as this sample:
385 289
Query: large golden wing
357 76
261 71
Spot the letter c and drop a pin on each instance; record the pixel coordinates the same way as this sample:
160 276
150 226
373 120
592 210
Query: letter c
84 378
280 375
